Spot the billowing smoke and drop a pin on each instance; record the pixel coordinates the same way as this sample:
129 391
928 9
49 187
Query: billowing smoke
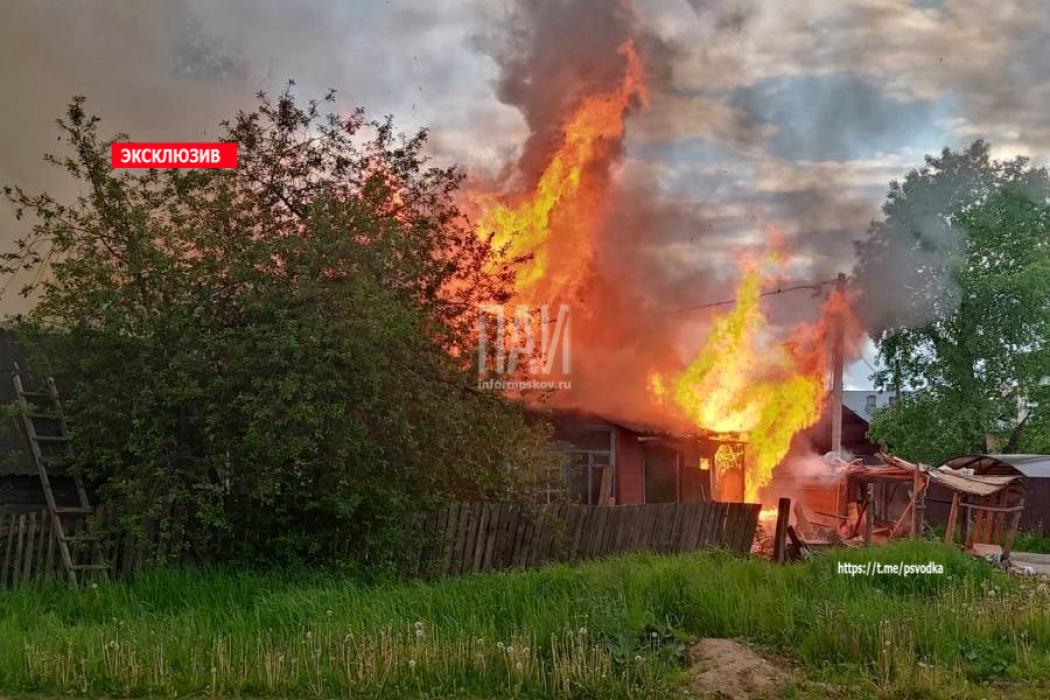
552 57
647 255
553 53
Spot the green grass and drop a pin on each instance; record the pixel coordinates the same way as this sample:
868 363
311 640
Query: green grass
616 628
1032 542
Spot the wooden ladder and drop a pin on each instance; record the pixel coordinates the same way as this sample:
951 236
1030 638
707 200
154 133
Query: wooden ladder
43 446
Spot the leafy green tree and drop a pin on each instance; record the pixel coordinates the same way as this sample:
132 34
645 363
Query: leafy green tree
955 282
274 361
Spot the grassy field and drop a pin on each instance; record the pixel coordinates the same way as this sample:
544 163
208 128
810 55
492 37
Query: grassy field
616 628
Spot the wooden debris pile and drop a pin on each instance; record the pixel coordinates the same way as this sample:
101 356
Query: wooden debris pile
886 501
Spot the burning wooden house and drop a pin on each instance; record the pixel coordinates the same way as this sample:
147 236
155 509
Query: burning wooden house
616 461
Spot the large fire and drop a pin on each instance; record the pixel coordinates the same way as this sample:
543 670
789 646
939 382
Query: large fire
554 223
743 381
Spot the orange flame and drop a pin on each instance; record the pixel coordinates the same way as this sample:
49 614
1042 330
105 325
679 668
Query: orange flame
741 382
555 223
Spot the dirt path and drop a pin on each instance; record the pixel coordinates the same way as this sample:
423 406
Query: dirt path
724 668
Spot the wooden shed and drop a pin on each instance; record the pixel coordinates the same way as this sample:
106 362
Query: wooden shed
1034 470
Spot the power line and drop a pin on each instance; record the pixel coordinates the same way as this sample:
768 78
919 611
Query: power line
815 286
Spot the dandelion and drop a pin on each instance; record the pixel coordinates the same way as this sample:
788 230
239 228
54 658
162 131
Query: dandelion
419 633
583 631
510 650
411 663
654 635
328 613
638 658
309 635
94 585
419 625
499 645
519 666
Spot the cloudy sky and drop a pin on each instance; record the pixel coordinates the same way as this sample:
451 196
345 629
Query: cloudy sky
788 113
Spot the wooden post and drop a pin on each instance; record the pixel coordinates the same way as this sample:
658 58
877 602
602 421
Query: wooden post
837 358
920 505
953 515
869 512
780 533
915 522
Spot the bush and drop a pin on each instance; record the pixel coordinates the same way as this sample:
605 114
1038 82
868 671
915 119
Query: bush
276 361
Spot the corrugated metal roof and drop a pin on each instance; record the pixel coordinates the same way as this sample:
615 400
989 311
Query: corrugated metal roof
972 484
1031 465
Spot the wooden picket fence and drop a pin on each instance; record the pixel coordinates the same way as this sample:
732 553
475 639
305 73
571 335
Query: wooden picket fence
29 550
464 537
475 536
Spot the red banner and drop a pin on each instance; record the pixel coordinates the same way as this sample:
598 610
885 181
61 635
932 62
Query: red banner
173 155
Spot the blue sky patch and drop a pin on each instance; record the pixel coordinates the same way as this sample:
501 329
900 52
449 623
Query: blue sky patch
839 117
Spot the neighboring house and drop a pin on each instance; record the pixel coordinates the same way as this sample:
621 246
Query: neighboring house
865 403
612 460
858 408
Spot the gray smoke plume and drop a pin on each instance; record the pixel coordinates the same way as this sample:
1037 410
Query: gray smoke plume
552 53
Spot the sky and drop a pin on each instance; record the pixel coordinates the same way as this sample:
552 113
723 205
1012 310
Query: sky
794 114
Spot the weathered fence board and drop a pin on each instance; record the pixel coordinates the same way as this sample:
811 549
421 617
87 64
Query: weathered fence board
28 549
477 536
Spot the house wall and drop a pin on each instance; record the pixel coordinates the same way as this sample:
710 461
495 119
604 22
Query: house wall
693 484
582 433
630 477
1036 517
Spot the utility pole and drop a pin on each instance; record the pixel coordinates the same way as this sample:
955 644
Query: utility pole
837 358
